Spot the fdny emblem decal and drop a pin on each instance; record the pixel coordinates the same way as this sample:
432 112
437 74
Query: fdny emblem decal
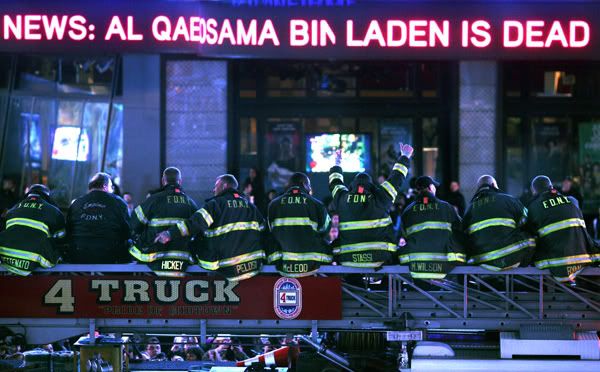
287 298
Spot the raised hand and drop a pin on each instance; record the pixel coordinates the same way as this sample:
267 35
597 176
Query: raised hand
406 149
163 238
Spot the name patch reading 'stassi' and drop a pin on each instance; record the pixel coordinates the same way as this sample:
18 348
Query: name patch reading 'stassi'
287 298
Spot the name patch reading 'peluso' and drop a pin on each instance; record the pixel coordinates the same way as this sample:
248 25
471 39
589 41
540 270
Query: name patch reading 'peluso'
153 297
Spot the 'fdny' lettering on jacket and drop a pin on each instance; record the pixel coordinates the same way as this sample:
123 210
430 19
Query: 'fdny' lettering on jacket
293 200
241 203
556 201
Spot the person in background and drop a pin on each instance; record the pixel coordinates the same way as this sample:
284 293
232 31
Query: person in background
193 354
116 188
226 350
129 200
98 225
456 198
271 194
569 188
153 350
253 187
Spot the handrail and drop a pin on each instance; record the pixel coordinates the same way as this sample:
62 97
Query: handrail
325 269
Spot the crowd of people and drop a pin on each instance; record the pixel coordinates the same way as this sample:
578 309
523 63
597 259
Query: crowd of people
364 223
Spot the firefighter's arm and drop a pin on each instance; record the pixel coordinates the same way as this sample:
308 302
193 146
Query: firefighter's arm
125 220
399 172
336 178
199 222
459 236
273 248
324 222
140 217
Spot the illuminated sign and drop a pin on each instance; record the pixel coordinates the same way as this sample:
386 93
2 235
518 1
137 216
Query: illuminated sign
335 29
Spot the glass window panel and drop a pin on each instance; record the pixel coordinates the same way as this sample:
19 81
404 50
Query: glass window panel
430 79
248 136
551 148
248 73
114 148
431 148
335 80
513 79
286 80
330 125
515 172
4 71
549 82
387 79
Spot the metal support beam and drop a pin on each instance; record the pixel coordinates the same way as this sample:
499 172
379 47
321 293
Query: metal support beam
203 331
92 330
426 294
363 301
576 295
314 331
499 294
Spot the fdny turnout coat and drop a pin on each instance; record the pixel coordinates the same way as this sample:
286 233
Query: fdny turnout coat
494 225
299 224
168 207
231 231
366 237
563 244
432 230
98 229
33 226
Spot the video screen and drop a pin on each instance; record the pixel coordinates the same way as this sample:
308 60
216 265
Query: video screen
70 143
355 152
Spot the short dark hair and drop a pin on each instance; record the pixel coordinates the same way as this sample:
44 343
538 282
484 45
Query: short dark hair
363 178
229 181
541 184
172 176
99 181
299 179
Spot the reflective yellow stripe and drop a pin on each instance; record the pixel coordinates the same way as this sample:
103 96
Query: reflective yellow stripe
183 230
274 257
336 176
28 223
359 247
164 222
431 225
309 256
256 255
24 255
151 257
298 275
139 212
563 261
495 268
173 274
244 276
507 222
459 257
427 275
207 217
502 252
560 225
390 189
295 221
400 168
595 257
326 224
365 224
14 270
338 188
235 226
358 264
209 265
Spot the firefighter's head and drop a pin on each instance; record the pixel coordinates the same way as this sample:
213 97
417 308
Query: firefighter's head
101 181
301 180
426 184
541 184
487 180
225 182
362 179
171 176
38 189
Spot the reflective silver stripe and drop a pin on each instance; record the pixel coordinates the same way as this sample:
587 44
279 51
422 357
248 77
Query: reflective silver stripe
506 222
359 247
400 168
338 188
298 275
28 223
235 226
295 221
308 256
502 252
244 276
560 225
422 275
25 255
364 264
274 257
432 257
140 215
256 255
326 223
59 234
14 270
151 257
164 222
365 224
390 189
336 176
209 265
173 274
563 261
183 230
207 217
431 225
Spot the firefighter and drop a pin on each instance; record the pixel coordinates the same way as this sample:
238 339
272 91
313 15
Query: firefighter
563 244
231 227
98 225
366 234
299 224
168 207
432 233
493 224
33 228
